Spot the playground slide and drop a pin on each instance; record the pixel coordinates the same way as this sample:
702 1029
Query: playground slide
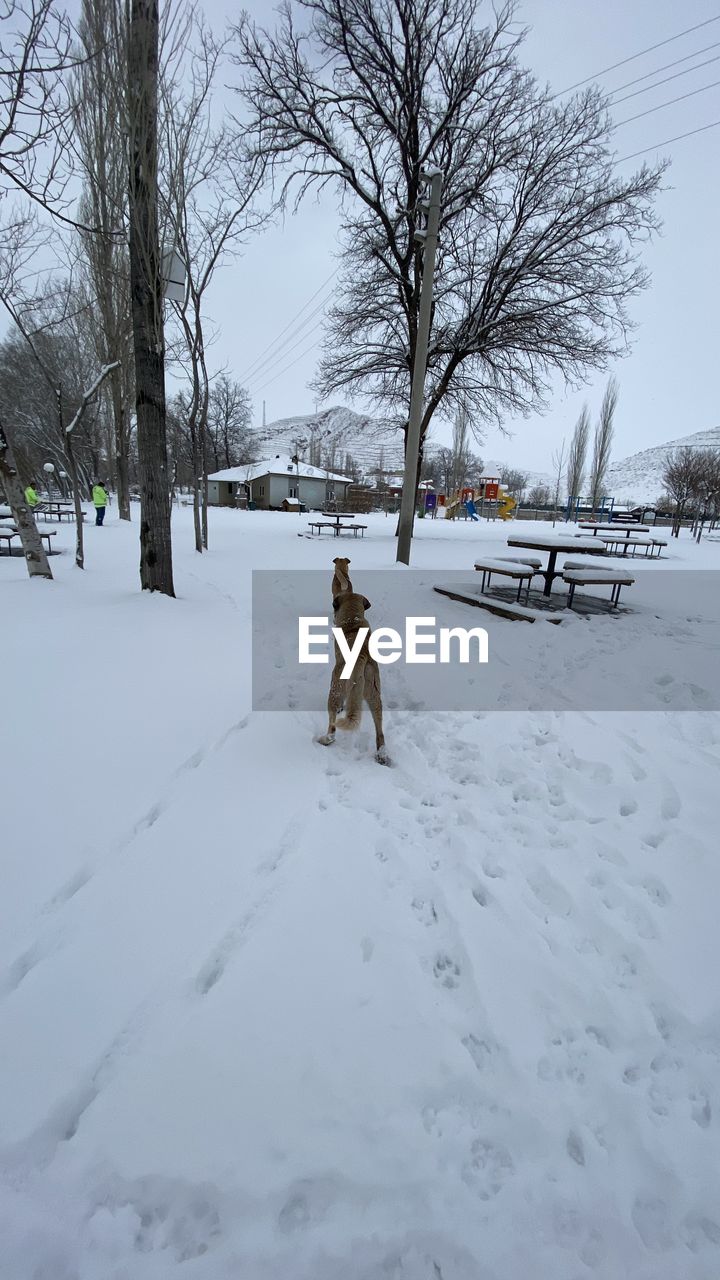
506 507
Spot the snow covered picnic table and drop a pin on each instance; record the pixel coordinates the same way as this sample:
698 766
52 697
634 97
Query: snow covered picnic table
554 545
615 527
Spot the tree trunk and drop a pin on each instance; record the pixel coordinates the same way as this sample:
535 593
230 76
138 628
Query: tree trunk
77 501
122 471
146 290
34 552
75 484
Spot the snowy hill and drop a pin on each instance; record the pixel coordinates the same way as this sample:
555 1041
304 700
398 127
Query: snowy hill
494 466
336 431
639 477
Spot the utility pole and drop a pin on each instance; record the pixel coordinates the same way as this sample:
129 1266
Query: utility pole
412 449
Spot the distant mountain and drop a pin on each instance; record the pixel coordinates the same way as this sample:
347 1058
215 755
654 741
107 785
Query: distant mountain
639 477
332 433
492 467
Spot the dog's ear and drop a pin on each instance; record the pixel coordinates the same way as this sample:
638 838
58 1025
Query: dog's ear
366 603
337 602
335 560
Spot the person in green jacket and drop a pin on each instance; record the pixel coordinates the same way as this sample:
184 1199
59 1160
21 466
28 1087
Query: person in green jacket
100 501
31 497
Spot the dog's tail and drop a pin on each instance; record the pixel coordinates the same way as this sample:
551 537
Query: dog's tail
353 699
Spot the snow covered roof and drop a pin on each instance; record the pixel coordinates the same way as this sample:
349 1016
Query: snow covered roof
281 465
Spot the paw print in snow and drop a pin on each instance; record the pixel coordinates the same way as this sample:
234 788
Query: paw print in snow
446 971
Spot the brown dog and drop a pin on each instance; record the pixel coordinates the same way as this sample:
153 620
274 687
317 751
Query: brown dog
364 683
341 578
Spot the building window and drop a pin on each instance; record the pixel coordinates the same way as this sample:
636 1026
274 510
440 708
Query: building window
262 490
293 491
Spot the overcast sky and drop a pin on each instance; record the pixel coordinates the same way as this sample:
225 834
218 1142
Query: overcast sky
668 383
667 388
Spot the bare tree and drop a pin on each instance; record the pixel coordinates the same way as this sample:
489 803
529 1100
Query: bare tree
681 475
209 212
229 416
559 465
514 481
35 56
539 495
35 557
100 121
602 445
147 301
578 454
539 233
460 447
89 395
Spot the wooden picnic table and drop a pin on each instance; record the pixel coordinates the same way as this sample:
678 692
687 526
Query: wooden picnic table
614 528
337 516
52 509
337 527
594 546
9 532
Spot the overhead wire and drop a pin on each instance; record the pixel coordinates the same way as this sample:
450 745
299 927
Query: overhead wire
649 87
665 67
669 103
703 129
650 49
255 388
252 368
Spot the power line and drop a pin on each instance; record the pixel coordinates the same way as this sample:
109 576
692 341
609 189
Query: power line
669 103
280 372
291 322
666 143
265 372
649 87
623 62
283 350
665 67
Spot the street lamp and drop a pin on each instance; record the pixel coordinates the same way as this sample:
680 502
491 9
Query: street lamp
49 470
63 477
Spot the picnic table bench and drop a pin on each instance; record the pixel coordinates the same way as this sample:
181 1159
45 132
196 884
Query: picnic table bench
56 512
337 527
616 527
625 543
519 571
7 534
584 577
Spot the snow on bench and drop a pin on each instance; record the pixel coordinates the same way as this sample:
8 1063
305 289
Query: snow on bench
520 570
616 578
625 543
534 561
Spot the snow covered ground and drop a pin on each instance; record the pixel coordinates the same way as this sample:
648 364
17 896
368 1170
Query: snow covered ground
271 1012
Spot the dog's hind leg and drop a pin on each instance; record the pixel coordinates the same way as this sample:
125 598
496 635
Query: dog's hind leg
374 700
335 706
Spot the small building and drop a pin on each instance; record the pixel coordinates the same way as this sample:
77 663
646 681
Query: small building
275 481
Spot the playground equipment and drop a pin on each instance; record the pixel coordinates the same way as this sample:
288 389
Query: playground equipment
576 505
488 493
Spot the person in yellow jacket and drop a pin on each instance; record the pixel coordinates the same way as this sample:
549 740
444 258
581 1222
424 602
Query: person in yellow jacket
100 501
31 497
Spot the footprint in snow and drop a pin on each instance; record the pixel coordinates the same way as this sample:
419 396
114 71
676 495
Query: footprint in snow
446 971
487 1168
